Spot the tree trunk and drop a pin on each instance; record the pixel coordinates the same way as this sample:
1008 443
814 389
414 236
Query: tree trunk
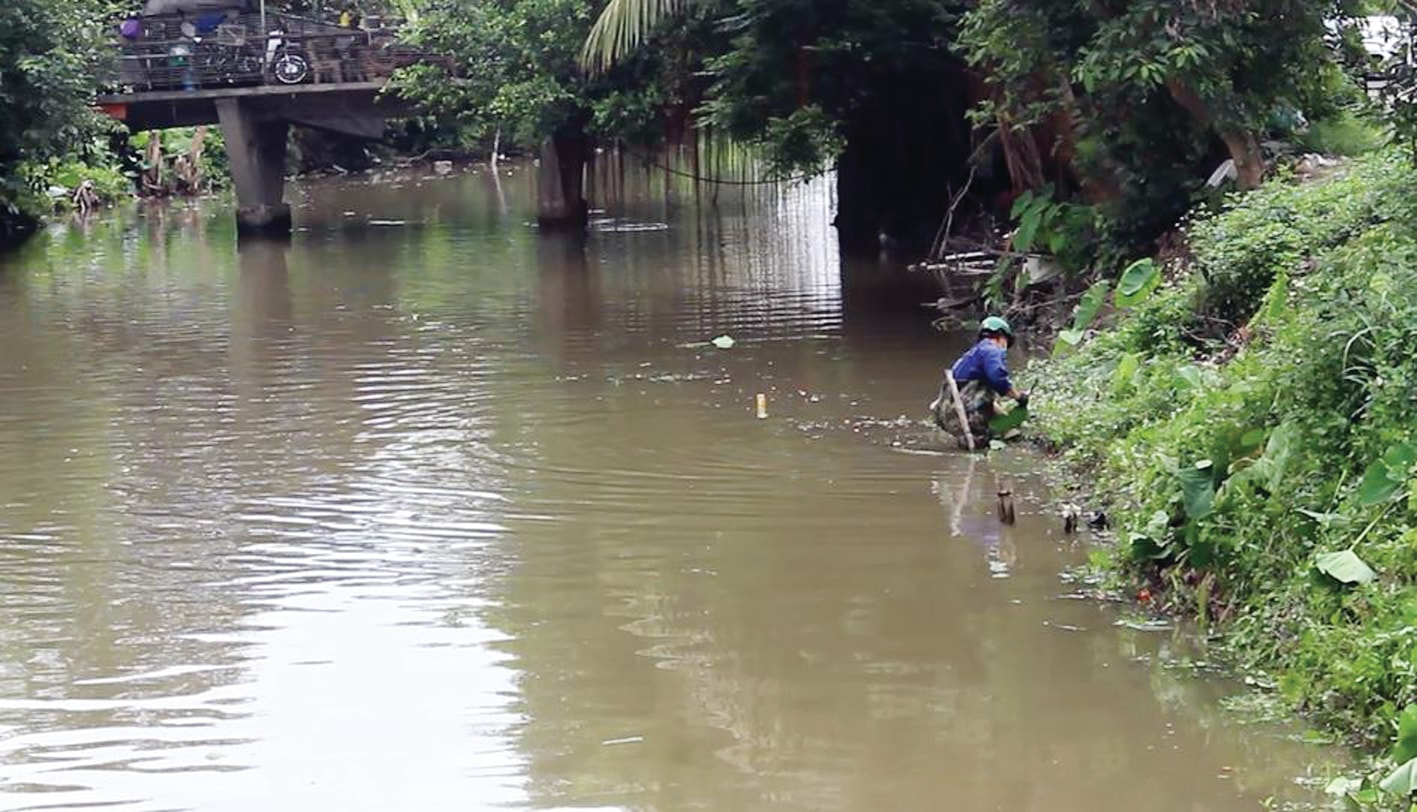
1021 156
1244 149
1243 146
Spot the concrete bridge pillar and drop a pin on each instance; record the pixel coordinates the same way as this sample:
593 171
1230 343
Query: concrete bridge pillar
256 148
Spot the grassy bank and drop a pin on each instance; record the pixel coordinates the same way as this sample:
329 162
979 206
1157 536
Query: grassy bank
1254 423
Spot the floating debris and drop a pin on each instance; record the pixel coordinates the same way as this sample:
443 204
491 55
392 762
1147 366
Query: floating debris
613 225
679 377
724 342
1155 625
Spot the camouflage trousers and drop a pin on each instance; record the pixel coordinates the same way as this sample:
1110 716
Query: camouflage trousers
978 409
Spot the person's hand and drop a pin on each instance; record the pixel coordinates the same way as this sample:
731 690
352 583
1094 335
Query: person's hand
1022 399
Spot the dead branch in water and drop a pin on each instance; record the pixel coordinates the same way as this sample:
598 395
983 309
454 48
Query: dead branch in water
942 236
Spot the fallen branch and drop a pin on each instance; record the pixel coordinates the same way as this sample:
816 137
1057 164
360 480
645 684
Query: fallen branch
942 236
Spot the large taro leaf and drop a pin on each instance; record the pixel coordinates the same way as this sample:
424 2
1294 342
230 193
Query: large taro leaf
1345 567
1090 305
1386 475
1198 489
1137 282
1403 780
1405 748
1088 308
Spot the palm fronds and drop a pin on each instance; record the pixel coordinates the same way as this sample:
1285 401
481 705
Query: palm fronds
622 26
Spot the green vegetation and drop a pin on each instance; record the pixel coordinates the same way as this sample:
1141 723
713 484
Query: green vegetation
47 58
56 153
1124 110
1117 115
517 83
1252 422
1349 131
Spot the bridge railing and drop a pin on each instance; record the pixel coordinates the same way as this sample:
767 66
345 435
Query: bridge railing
186 52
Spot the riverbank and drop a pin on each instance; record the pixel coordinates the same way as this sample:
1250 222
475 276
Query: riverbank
1250 423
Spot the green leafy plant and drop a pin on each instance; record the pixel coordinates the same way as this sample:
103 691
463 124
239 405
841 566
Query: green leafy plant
1281 352
1137 282
1387 475
1088 307
49 59
1046 224
1345 567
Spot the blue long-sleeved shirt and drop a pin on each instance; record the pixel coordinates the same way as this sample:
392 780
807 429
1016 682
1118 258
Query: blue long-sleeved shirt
985 361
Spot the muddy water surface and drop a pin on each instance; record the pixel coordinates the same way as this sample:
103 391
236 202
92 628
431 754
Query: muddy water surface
425 512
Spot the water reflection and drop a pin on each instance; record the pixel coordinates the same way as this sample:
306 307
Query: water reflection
422 510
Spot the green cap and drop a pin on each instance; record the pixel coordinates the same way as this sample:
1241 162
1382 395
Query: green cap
994 324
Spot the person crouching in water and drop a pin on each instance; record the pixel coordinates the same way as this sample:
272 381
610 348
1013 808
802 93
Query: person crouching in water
981 374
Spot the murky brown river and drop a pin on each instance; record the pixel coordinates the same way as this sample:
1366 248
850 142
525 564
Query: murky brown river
425 512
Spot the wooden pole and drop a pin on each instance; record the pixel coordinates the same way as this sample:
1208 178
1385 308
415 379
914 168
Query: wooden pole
959 408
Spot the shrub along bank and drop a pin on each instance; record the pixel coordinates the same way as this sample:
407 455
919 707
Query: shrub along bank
1254 421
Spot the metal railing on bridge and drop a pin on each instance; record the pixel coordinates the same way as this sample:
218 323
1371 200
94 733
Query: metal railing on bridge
231 49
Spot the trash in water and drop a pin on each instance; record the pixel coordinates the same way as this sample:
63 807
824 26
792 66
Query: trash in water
1144 625
723 342
625 740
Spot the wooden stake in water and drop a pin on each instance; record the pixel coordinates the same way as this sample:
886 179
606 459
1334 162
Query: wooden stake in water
762 406
959 408
1006 503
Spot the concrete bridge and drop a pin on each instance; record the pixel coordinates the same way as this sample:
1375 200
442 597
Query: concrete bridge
255 76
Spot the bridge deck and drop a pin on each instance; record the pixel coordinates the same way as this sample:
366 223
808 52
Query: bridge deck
140 97
355 108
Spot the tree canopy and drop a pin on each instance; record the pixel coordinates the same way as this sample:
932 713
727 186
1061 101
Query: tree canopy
1125 106
47 66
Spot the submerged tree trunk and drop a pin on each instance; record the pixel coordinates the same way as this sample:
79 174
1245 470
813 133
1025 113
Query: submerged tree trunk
560 196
